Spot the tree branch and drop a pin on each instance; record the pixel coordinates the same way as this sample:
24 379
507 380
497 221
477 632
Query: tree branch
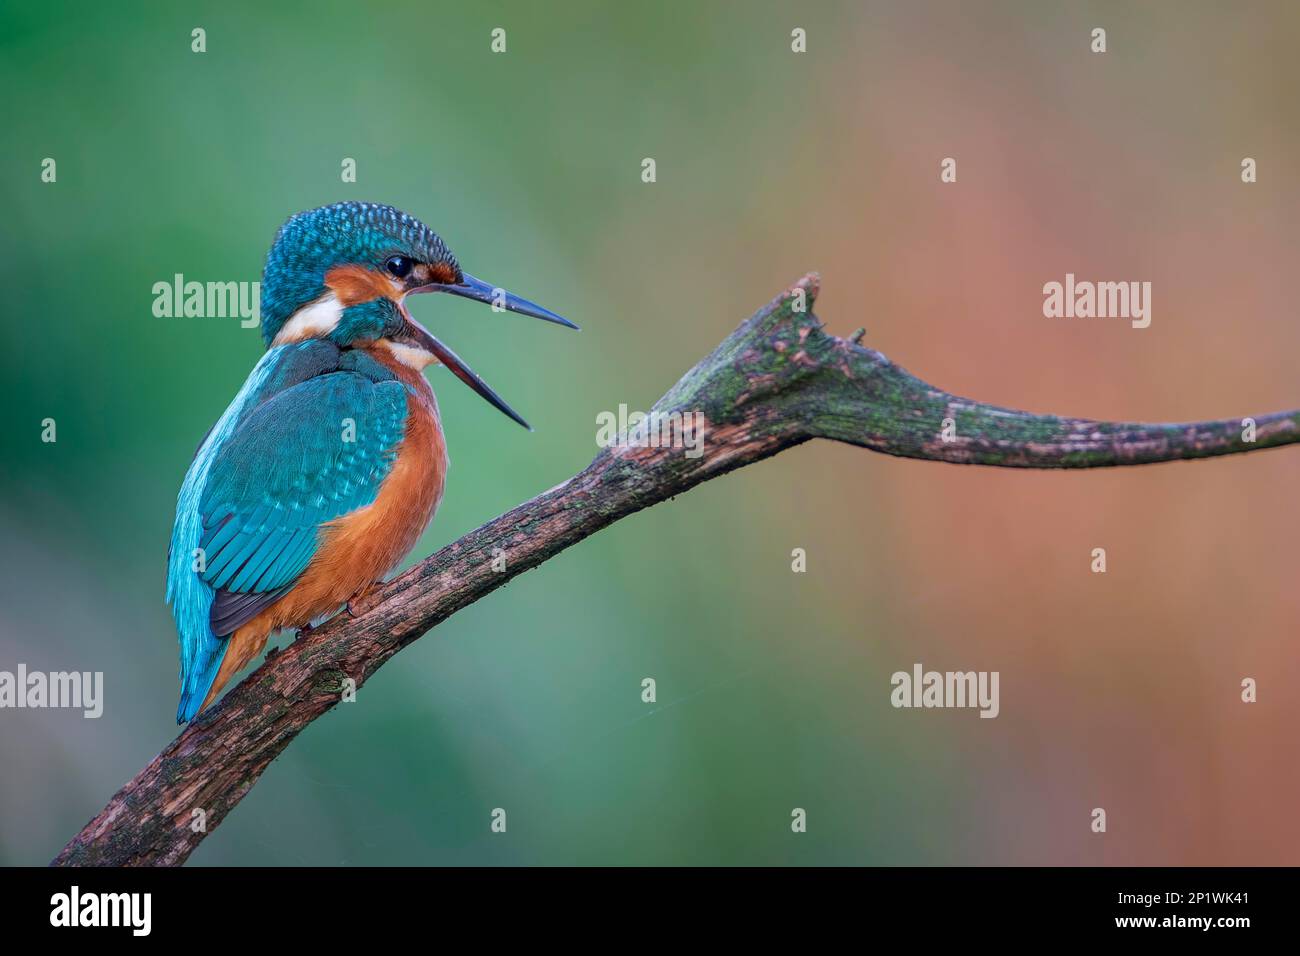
775 382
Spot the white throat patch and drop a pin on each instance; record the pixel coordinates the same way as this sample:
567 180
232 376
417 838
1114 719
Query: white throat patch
412 356
313 321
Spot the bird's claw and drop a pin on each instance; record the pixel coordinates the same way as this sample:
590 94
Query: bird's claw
353 606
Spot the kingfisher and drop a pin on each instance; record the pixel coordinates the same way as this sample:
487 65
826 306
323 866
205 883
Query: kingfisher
330 462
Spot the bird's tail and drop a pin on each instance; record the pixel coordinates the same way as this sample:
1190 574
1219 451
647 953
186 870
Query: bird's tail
197 678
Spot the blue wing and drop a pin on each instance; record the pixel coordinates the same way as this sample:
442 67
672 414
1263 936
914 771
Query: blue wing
279 464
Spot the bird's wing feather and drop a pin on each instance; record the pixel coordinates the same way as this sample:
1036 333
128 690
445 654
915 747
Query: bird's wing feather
273 471
309 454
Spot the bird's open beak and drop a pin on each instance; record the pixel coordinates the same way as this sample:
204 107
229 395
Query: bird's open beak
479 291
485 292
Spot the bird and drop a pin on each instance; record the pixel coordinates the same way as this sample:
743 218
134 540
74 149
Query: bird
328 465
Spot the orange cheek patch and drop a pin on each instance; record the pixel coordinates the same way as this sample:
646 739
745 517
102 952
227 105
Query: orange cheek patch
354 284
439 272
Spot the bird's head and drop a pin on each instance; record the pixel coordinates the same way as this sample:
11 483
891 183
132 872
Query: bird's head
342 273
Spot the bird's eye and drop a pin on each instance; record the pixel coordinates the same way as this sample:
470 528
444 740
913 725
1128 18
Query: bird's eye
400 266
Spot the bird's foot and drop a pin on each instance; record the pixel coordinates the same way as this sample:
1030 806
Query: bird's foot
356 603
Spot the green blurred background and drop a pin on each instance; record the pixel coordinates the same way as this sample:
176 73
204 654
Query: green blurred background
1118 690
